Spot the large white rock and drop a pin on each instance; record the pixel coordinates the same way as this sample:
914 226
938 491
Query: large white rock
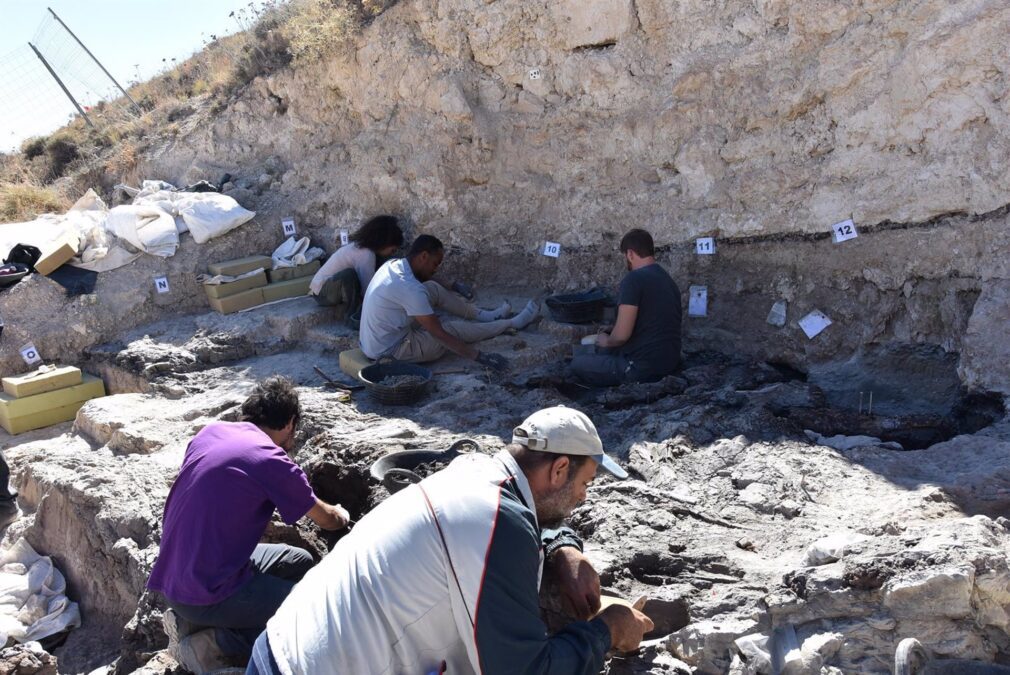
932 593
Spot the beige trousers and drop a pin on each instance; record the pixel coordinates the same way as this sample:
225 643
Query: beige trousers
420 346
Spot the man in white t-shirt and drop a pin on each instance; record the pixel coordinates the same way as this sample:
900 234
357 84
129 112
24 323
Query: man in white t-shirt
398 316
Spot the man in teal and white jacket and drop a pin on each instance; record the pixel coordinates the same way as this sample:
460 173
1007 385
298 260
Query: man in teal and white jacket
443 577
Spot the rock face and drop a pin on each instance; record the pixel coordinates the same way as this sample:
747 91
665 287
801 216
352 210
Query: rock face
985 361
500 125
727 500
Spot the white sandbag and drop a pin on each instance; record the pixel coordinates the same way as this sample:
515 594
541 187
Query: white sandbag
147 228
34 602
210 214
294 252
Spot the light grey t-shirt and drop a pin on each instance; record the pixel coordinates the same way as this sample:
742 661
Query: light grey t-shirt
393 297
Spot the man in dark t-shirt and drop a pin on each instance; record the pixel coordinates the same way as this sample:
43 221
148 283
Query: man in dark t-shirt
644 344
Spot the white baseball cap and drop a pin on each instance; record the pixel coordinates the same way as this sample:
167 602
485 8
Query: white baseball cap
565 431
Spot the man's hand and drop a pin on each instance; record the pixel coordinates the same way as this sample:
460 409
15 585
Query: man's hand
578 581
329 517
495 362
627 626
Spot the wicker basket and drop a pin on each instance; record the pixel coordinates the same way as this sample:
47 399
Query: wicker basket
397 394
585 307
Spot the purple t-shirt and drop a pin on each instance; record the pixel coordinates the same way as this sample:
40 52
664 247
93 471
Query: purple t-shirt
232 478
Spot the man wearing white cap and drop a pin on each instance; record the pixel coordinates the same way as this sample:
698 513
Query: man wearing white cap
443 577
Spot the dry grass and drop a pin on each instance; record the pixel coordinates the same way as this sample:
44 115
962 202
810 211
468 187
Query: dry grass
276 34
21 202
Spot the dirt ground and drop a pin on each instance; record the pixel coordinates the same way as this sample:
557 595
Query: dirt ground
733 477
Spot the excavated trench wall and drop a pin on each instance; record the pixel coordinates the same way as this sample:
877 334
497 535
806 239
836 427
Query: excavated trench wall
501 125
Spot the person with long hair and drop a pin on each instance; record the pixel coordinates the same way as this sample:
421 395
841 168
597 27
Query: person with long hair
343 279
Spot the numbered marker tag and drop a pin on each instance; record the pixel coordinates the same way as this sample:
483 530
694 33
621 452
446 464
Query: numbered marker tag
161 284
814 323
844 231
344 237
288 226
697 304
705 246
552 249
30 354
535 74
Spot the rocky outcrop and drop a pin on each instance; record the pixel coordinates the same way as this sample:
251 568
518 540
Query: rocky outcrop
99 519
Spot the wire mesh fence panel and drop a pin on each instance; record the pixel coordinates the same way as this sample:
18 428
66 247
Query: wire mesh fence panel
33 102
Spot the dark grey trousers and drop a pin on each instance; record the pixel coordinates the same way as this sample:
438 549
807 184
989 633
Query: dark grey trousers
240 618
343 288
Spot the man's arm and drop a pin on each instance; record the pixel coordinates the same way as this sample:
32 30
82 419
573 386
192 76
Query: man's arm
510 635
626 315
329 517
431 324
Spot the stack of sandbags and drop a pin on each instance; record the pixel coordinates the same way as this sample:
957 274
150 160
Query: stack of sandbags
47 396
290 282
234 285
247 278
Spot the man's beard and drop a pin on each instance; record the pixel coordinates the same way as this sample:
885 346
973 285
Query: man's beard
553 510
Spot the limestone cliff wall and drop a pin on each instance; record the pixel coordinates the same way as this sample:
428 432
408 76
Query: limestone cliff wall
502 122
499 124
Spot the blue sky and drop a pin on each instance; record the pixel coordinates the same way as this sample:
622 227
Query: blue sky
130 37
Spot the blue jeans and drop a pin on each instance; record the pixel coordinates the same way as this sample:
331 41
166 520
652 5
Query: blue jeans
605 368
241 617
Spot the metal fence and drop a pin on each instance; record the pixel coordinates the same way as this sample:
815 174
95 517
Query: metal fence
51 79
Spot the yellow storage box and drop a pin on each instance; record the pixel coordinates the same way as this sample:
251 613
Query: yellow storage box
352 361
232 287
233 268
286 273
56 252
238 302
292 288
46 378
42 410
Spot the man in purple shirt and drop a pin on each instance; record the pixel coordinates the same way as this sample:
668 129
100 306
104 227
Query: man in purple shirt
220 583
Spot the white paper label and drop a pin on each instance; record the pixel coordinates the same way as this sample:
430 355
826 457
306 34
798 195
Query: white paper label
288 225
705 246
777 314
344 237
844 231
535 74
697 304
552 249
30 354
813 323
161 284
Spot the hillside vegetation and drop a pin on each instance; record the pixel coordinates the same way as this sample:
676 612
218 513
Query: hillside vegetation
50 171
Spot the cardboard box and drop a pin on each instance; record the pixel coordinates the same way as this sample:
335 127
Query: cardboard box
55 253
352 361
239 301
286 273
37 382
231 288
43 410
292 288
233 268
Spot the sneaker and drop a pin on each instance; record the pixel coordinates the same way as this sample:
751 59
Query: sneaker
176 628
199 653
